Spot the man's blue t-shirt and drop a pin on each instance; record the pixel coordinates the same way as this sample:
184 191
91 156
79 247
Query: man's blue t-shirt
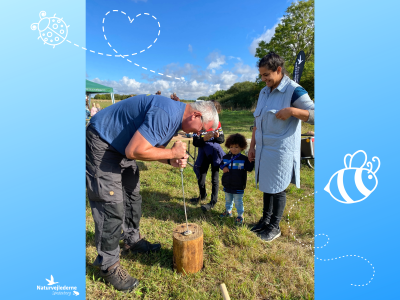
156 117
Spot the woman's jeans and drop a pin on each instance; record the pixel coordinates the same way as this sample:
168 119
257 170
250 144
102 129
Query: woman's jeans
274 205
238 198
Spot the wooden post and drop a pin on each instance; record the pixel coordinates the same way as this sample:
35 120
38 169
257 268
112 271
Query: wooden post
224 292
188 249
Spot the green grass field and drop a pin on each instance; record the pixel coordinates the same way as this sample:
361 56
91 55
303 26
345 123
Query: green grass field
250 268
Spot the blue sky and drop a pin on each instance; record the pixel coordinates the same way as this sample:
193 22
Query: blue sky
203 45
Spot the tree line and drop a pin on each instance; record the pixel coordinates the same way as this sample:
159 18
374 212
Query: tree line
293 34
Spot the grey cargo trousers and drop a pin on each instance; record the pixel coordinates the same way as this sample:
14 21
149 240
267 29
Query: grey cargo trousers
112 184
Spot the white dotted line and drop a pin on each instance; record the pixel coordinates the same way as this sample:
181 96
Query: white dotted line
329 259
327 242
123 56
290 229
373 269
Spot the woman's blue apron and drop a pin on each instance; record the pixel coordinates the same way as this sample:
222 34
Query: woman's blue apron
278 141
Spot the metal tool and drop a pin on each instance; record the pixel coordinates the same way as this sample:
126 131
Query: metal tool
187 232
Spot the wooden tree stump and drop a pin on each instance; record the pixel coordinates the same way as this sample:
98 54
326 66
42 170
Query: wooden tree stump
188 249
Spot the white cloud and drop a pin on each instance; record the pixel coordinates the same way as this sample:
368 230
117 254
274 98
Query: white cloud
265 36
246 72
196 81
216 60
190 48
233 57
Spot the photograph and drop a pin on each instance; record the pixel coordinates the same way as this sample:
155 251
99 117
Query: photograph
192 172
200 150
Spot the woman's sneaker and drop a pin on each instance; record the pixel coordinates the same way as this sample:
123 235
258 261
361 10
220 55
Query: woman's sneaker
269 234
239 221
260 226
225 214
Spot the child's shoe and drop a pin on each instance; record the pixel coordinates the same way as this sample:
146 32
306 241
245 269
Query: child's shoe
239 221
225 214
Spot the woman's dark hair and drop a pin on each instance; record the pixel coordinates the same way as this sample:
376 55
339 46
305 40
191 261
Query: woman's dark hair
272 61
236 139
217 106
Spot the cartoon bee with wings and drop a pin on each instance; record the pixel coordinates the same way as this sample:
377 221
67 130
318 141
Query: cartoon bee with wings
353 184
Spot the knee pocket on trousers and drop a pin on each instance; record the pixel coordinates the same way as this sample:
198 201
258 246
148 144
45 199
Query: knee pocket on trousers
112 225
105 186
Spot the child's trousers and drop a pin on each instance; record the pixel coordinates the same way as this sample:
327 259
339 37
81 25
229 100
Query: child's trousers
238 198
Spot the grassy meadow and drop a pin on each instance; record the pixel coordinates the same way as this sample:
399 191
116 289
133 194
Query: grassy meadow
250 268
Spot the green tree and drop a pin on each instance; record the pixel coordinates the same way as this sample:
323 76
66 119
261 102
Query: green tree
202 98
293 34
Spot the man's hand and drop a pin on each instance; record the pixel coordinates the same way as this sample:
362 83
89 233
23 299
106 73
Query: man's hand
284 113
252 154
226 169
180 163
179 150
216 134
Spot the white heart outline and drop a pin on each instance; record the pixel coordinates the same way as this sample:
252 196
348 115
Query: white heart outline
130 21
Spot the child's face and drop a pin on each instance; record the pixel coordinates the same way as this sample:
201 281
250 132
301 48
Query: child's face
235 149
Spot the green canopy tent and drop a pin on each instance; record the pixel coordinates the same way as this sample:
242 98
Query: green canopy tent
95 88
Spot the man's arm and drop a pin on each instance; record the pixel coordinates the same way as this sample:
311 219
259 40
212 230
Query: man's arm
139 148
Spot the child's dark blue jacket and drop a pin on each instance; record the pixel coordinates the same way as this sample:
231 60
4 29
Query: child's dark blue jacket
234 181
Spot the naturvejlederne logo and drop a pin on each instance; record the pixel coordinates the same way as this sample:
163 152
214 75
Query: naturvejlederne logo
59 290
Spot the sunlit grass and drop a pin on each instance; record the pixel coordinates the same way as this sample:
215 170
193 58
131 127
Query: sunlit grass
250 268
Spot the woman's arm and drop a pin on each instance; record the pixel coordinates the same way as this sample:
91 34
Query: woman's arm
288 112
252 151
301 107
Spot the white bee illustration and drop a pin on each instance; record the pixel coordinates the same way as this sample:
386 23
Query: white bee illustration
352 184
53 31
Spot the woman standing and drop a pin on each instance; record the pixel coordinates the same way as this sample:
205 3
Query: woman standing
277 133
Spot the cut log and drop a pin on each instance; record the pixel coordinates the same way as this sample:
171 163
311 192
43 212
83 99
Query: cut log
188 249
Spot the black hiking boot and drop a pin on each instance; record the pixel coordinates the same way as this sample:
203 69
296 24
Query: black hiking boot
269 234
119 278
207 207
141 246
198 199
261 225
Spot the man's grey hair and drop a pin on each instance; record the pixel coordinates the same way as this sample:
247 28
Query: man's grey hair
208 112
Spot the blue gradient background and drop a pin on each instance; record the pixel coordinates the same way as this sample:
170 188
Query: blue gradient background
356 61
42 160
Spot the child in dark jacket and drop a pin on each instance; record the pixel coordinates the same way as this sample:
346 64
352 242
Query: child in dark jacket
210 153
235 167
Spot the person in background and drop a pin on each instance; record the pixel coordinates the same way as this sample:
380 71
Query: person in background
210 153
98 107
158 93
94 110
175 97
87 108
